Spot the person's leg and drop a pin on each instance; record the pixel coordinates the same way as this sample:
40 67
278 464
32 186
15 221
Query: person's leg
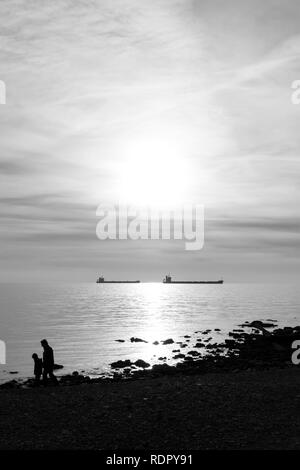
37 379
53 378
45 373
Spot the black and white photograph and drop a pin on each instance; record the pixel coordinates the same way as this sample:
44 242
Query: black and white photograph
150 220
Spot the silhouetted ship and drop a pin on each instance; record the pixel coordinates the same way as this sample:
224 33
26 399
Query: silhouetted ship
101 280
168 280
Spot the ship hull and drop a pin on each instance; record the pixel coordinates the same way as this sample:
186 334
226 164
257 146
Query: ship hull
118 282
194 282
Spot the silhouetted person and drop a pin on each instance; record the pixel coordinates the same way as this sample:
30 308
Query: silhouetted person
48 362
38 368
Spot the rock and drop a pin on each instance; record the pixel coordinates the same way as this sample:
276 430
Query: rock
193 353
120 340
233 335
121 364
141 363
211 346
168 341
179 356
156 343
10 384
259 324
13 372
57 367
199 345
162 358
186 336
137 340
175 350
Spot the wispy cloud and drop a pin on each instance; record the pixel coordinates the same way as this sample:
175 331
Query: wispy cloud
84 79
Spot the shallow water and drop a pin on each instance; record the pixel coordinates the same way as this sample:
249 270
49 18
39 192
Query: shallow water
82 321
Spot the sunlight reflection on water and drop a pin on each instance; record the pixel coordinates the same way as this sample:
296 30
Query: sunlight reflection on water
83 321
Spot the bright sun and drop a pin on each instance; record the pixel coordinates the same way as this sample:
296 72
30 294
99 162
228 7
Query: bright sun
153 175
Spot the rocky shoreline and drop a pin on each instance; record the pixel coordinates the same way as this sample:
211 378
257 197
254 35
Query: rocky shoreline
252 346
242 394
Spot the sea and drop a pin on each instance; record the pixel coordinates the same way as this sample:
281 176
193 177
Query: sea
91 325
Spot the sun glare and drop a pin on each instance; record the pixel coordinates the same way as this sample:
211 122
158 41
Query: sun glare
153 175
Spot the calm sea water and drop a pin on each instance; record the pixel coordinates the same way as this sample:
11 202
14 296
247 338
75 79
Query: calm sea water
82 321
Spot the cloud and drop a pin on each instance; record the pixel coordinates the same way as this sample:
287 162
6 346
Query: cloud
84 79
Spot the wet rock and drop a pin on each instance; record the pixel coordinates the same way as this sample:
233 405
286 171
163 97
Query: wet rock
137 340
211 346
9 385
179 356
74 379
121 364
168 341
258 324
233 335
141 363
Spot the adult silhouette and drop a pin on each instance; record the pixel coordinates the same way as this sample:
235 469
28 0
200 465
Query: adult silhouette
48 362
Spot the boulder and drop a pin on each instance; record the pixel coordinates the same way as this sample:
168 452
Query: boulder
120 364
168 341
141 363
179 356
137 340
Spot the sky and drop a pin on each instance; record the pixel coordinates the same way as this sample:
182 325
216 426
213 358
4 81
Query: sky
143 102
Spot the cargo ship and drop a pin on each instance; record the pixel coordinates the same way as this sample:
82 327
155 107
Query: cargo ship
168 280
101 280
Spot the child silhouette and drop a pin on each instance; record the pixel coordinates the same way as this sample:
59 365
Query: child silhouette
38 367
